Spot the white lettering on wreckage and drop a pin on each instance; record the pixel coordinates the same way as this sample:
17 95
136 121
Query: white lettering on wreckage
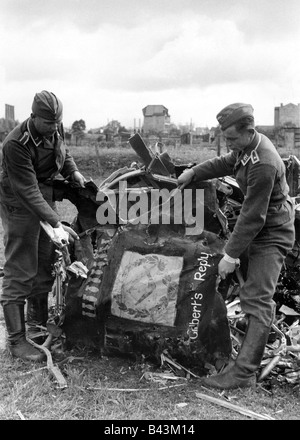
199 275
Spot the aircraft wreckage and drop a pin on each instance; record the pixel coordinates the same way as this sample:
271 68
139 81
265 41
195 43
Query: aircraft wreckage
148 285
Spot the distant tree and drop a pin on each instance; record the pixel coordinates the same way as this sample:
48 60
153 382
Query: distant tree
175 131
78 128
7 124
122 129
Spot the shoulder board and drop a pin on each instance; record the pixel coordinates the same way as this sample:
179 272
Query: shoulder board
24 138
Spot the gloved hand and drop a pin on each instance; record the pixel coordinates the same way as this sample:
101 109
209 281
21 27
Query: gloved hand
72 234
185 178
60 235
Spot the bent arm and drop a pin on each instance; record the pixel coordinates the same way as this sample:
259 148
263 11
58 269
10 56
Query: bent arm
254 210
217 167
24 184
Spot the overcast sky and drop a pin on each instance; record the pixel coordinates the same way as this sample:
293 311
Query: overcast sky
108 59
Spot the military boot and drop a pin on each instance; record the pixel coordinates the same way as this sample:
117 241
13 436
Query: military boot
242 373
37 316
17 343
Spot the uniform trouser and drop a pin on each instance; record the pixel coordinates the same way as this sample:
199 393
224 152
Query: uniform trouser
266 256
29 255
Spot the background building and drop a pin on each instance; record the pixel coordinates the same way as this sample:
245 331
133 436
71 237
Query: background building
287 115
7 123
287 127
156 119
9 112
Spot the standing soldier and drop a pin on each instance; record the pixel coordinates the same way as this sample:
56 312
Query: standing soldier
33 154
264 228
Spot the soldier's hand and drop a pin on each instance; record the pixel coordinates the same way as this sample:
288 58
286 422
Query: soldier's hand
63 234
79 178
60 235
71 232
185 178
225 268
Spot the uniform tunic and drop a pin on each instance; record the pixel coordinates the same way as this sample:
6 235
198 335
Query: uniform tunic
29 164
265 226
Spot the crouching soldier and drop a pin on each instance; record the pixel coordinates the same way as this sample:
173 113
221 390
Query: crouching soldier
33 154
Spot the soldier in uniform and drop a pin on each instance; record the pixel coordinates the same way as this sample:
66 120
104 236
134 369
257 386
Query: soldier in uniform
264 231
33 154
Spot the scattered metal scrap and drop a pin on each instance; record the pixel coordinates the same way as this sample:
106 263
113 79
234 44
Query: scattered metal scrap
176 367
236 408
154 376
21 415
134 390
53 369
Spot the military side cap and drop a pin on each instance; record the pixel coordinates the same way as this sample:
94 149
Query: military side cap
233 113
47 105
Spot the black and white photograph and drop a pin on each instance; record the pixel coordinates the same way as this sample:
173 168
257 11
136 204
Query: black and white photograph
150 213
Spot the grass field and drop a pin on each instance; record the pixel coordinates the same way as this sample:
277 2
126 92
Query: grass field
117 388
